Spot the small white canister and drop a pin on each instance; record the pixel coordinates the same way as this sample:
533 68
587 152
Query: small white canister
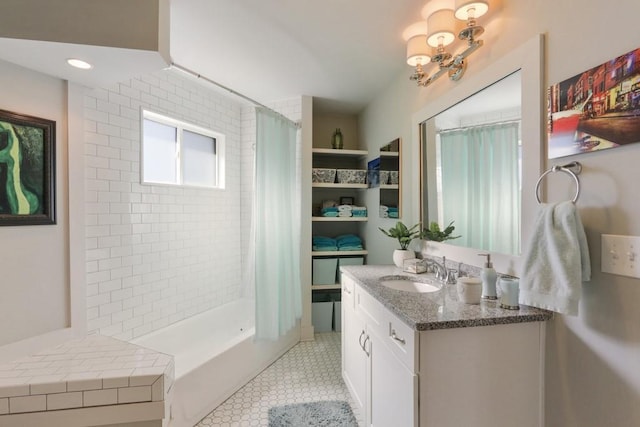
469 289
510 292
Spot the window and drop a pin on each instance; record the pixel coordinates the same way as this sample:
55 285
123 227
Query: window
178 153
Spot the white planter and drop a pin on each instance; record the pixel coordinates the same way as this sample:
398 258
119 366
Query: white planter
399 255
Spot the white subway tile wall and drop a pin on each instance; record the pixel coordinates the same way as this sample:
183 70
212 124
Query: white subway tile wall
85 371
158 254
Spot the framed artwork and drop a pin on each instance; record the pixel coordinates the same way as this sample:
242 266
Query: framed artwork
597 109
27 170
344 200
373 173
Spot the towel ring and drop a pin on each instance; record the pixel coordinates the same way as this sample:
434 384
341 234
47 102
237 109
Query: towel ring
566 169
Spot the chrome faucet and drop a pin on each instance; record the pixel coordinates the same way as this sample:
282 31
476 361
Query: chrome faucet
439 269
444 274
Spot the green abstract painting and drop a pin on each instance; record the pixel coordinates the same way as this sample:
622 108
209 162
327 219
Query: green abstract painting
26 170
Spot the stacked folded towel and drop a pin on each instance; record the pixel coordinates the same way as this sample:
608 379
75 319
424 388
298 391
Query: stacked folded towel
344 211
330 211
388 211
322 243
349 242
359 211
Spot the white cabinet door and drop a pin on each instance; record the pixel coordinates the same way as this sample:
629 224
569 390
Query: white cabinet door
394 389
354 357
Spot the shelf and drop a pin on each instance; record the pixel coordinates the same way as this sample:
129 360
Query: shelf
338 253
389 187
343 153
389 154
325 287
333 185
339 218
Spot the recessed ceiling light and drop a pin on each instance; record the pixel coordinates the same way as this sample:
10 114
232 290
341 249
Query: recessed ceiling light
79 63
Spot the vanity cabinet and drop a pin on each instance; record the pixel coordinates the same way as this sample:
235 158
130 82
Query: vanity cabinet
355 352
374 359
488 373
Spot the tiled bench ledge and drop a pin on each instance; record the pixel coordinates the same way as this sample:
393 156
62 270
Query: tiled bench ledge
97 377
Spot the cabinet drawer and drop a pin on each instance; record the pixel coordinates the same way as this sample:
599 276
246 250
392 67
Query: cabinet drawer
401 340
370 310
348 292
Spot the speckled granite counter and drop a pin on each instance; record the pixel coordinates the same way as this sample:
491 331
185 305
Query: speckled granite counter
436 310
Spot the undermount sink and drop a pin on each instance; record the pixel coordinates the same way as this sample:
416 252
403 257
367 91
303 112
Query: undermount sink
408 284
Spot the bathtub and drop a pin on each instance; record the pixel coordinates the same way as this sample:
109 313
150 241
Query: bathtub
215 355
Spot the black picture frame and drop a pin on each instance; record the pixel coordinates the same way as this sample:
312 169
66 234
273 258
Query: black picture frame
346 200
27 170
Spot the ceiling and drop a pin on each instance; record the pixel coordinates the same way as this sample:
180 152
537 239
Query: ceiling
341 52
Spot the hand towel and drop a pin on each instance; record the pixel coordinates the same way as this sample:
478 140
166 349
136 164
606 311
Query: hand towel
344 213
351 248
323 240
348 240
556 261
325 248
330 209
345 208
384 208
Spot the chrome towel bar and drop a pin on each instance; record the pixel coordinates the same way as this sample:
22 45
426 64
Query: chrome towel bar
572 169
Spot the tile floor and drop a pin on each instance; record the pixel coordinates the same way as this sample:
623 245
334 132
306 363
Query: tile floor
309 371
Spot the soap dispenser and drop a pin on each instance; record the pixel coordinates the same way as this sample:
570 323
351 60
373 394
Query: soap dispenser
489 278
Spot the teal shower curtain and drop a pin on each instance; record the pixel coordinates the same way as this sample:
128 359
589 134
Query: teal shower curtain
276 223
481 164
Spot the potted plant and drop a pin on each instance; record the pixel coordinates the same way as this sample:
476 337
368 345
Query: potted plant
404 235
435 234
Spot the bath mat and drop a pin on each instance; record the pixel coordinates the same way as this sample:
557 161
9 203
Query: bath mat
330 413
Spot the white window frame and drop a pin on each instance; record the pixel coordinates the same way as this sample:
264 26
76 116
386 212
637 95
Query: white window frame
181 126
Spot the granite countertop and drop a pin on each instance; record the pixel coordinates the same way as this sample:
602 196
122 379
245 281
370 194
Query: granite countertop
437 310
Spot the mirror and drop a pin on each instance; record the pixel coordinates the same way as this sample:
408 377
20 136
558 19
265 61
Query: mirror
472 157
527 59
390 176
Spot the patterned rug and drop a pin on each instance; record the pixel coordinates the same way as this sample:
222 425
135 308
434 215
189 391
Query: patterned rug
334 413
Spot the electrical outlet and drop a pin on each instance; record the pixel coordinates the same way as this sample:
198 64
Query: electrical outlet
621 255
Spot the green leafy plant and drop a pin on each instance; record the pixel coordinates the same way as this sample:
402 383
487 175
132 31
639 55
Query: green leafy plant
402 233
434 233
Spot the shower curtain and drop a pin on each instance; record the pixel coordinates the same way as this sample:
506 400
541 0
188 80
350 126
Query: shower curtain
276 227
481 185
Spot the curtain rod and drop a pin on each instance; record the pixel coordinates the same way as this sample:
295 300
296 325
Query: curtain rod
236 93
479 125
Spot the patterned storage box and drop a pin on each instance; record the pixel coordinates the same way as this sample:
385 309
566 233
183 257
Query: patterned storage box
384 177
351 176
321 175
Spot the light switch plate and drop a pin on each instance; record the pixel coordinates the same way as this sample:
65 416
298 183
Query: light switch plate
621 255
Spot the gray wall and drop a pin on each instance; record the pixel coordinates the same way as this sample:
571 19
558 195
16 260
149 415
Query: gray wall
592 361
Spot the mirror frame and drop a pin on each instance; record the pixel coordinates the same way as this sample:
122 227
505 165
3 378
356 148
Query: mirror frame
399 189
529 59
